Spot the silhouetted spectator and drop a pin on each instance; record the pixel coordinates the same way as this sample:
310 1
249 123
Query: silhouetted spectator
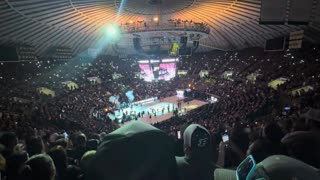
136 150
39 167
197 162
59 157
34 146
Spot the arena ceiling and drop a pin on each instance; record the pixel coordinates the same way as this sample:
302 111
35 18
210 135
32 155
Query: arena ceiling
234 24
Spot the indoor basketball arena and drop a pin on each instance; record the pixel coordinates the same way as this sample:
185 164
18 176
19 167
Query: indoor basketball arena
159 89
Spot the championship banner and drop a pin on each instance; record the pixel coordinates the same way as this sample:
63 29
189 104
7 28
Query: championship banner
46 91
227 74
301 90
277 82
203 73
70 85
182 72
94 80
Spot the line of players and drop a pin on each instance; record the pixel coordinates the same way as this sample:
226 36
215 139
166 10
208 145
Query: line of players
152 112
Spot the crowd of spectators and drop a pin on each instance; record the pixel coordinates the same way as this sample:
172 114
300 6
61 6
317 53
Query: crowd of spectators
171 24
44 137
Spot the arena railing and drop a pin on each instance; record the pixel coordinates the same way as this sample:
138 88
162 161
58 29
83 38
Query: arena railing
146 27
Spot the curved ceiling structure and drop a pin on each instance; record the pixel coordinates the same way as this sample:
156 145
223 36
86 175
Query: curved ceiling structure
79 23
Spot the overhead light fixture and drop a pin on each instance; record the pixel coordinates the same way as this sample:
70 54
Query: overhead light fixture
155 19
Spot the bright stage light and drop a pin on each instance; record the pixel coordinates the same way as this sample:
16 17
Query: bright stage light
112 31
155 19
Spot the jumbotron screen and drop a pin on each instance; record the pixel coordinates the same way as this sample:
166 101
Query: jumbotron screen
146 72
162 71
167 71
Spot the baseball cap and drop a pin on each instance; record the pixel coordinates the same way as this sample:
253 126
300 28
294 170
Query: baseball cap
196 136
275 167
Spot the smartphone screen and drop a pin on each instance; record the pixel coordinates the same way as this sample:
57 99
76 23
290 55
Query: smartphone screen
246 168
65 134
179 134
225 138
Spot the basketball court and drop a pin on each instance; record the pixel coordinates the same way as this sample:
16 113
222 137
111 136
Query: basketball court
158 111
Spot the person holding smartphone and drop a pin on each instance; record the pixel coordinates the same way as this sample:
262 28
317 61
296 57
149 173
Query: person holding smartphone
196 162
225 137
225 144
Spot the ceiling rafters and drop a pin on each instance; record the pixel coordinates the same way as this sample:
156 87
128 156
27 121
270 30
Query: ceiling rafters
79 23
